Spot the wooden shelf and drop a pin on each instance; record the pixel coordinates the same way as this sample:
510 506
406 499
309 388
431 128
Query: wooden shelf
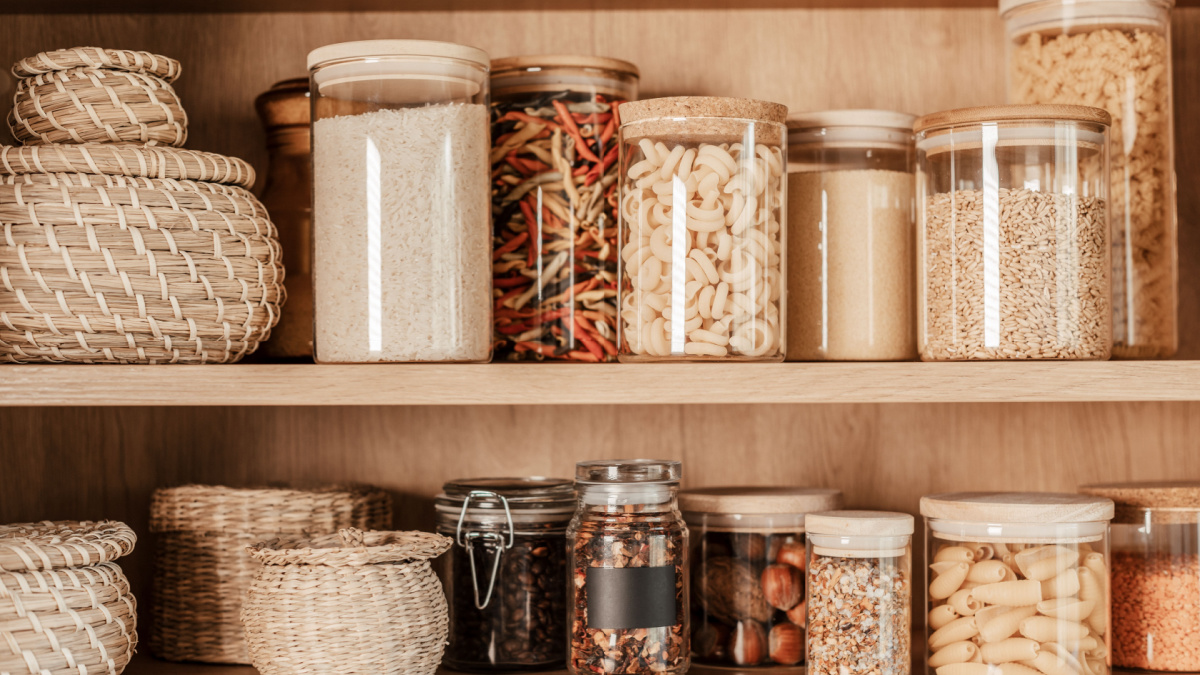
567 384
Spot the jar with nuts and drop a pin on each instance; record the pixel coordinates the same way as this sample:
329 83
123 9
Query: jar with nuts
506 576
748 572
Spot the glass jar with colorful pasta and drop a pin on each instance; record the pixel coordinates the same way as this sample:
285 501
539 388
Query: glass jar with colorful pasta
748 572
702 230
859 593
1018 582
1155 575
1115 55
554 199
1012 236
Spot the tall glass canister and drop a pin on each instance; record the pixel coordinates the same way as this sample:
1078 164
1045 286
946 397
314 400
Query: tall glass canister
1115 55
401 236
628 592
1017 578
554 200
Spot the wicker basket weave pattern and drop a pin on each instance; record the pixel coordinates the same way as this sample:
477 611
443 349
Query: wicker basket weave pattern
356 603
94 57
202 570
115 269
65 608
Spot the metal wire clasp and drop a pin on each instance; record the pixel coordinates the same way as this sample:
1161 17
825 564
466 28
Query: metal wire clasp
493 542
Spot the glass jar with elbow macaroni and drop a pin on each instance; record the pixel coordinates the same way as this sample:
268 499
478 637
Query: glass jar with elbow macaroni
1116 55
702 211
1155 575
1017 582
748 572
1012 236
859 598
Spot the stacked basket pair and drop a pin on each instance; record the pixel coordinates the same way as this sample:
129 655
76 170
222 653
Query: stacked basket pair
65 605
201 566
118 246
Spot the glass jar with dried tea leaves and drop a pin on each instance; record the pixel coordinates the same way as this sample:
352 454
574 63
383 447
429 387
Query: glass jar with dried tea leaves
628 560
506 576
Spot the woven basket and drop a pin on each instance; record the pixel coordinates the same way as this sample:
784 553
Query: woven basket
88 94
117 269
202 569
65 606
353 603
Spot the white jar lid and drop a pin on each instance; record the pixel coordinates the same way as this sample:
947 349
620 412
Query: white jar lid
1009 5
1016 507
369 48
887 119
860 523
759 500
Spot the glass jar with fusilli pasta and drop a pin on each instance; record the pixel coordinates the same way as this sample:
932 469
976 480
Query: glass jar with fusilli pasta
1115 55
702 230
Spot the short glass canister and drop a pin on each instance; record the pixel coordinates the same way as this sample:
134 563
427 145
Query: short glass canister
1017 578
747 567
703 211
628 593
506 575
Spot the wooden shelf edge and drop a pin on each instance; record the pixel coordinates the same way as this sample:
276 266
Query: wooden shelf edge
581 384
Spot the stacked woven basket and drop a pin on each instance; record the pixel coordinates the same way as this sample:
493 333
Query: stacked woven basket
118 246
65 605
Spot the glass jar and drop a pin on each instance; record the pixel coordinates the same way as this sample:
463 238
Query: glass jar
1116 55
287 194
506 576
554 243
1017 578
401 241
628 559
859 594
851 230
747 567
1013 234
1155 575
702 230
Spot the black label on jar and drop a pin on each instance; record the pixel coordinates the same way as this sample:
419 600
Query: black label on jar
631 597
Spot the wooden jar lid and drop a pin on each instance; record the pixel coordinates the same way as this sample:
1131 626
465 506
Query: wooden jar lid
62 544
160 66
760 500
1012 113
510 65
1167 501
1016 507
703 106
860 523
285 104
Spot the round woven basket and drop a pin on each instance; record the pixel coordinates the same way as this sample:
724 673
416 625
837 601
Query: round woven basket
88 94
65 606
353 603
129 269
202 570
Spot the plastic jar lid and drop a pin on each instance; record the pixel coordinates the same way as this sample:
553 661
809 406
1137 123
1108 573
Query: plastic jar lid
1158 502
886 119
522 64
759 501
1007 6
851 129
364 49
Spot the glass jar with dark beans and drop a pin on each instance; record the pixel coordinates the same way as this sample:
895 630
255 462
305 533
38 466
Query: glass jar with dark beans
628 559
506 577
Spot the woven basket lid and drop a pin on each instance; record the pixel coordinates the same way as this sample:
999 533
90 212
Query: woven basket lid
759 500
126 160
266 510
1166 501
351 547
1016 507
160 66
60 544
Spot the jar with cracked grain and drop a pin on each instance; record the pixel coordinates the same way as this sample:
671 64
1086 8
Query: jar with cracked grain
747 572
628 593
506 576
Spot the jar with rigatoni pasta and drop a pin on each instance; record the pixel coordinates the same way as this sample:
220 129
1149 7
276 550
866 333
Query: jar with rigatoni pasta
702 230
1017 583
1115 55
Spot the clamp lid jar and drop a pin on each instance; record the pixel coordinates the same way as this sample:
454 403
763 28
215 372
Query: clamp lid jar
506 575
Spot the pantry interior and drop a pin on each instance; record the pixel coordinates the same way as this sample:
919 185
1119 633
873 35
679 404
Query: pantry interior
91 442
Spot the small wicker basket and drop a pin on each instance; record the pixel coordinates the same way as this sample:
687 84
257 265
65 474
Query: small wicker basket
65 605
150 265
355 603
87 94
202 570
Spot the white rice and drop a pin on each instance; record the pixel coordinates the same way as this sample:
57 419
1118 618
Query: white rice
402 241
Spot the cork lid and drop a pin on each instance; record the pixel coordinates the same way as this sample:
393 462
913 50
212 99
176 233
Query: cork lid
860 523
375 48
511 64
703 106
62 544
1016 507
759 500
887 119
1012 113
1169 501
